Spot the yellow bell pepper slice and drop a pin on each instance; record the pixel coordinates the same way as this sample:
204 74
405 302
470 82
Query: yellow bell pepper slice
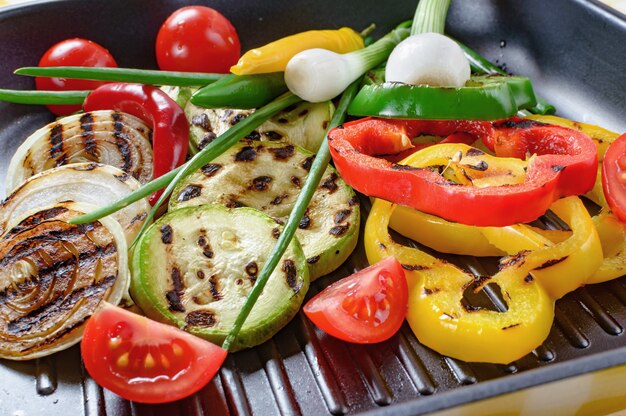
274 56
529 281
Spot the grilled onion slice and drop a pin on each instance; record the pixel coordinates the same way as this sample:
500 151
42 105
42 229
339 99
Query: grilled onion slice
79 182
107 137
53 276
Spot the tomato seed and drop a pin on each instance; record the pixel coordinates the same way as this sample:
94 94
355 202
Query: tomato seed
177 350
115 342
122 360
148 362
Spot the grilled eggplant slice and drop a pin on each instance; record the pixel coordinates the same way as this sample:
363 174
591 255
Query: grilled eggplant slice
54 275
92 183
268 176
195 266
106 137
303 125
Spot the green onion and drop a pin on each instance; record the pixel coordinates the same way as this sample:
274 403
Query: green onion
43 97
214 149
143 76
318 75
430 16
304 198
480 64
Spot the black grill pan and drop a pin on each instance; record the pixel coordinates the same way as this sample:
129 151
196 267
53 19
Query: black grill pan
573 50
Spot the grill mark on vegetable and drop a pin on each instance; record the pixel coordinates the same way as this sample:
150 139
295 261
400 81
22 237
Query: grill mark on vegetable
252 270
56 144
283 120
474 152
254 135
273 136
60 306
403 167
200 274
237 118
275 233
38 218
295 181
518 124
338 230
211 169
306 164
86 125
289 268
353 201
413 267
174 296
85 168
122 177
480 166
511 261
303 113
279 199
189 192
558 168
528 279
207 250
305 221
166 234
202 120
432 291
214 287
330 183
313 260
342 215
121 141
139 217
510 326
51 340
551 262
261 183
232 202
204 319
282 153
246 154
206 140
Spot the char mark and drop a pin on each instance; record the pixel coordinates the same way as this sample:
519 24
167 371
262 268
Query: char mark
204 319
86 125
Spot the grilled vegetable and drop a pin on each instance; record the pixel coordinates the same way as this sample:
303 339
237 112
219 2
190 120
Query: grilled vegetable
195 266
106 137
53 277
268 177
79 182
304 124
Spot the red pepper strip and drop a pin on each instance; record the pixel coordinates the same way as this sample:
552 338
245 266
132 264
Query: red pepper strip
170 129
566 165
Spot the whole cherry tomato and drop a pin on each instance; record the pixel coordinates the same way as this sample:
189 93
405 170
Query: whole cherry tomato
197 39
73 52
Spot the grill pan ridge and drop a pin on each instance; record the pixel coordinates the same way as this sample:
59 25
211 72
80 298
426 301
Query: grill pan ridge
571 50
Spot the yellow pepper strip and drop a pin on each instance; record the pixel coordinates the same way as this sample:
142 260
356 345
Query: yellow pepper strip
529 281
274 56
436 313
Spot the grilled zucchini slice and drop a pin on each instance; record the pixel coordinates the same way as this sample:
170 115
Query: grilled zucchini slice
195 266
268 176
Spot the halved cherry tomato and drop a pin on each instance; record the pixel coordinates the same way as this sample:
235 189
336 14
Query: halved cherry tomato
146 361
197 39
73 52
614 177
366 307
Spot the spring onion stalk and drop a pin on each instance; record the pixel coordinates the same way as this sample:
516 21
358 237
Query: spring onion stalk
481 65
143 76
317 75
43 97
219 146
210 152
430 16
302 202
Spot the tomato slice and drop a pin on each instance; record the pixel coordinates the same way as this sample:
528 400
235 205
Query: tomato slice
146 361
197 38
614 177
72 52
366 307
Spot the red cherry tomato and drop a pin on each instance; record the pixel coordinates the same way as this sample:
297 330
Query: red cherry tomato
366 307
146 361
614 177
197 39
73 52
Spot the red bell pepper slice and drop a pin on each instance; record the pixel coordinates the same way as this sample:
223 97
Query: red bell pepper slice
566 164
170 128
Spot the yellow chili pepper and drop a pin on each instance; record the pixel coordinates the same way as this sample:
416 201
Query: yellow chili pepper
442 321
274 56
